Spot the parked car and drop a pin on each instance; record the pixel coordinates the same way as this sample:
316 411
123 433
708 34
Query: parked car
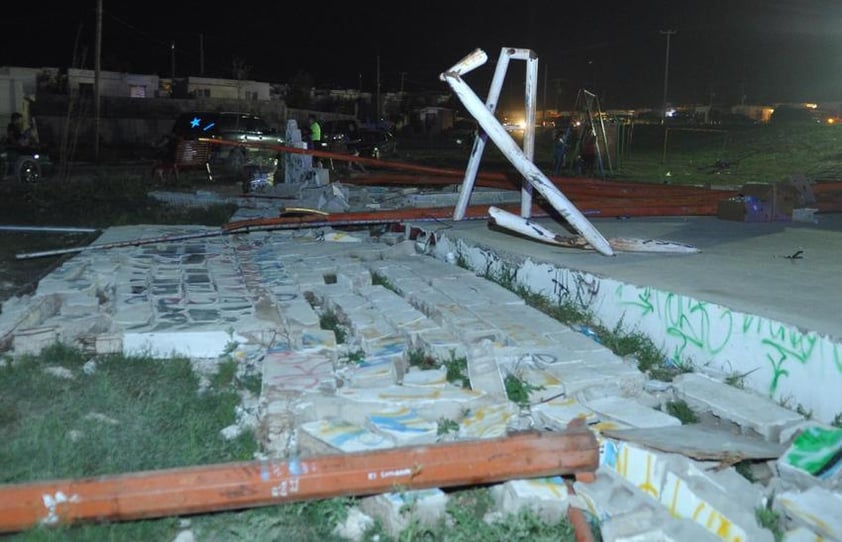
24 164
349 136
241 154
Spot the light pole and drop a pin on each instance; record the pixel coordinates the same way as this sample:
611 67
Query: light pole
666 71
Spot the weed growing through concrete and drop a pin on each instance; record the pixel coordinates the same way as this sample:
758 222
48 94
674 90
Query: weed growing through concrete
354 358
380 280
743 468
330 321
445 426
681 410
457 370
800 409
518 390
418 358
650 359
770 519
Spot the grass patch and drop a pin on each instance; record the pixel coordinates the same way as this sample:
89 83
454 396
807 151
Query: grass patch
330 321
466 510
380 280
131 414
681 410
457 371
418 358
518 390
771 520
445 426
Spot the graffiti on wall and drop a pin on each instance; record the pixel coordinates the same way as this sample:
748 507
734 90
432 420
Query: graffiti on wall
698 327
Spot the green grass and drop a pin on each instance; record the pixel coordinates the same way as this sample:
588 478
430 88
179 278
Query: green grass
330 320
155 418
681 410
758 153
771 520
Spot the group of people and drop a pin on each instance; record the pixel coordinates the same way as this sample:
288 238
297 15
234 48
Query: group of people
580 143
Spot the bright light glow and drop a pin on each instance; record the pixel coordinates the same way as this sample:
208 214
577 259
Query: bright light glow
671 112
831 120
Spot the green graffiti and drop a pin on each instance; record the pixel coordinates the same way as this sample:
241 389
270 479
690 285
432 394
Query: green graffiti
690 321
642 302
816 451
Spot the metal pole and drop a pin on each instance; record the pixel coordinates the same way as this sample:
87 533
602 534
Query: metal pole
172 60
515 155
96 78
668 33
201 54
231 486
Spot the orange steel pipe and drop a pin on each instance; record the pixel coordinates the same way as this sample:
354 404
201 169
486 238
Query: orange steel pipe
231 486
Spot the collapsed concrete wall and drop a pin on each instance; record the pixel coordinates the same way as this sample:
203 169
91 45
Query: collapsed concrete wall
798 369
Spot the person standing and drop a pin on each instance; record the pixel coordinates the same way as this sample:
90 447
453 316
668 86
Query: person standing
560 149
315 132
16 136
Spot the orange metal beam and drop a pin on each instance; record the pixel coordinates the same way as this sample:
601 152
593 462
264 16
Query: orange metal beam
231 486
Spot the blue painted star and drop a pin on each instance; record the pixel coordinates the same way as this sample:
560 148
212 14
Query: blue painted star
195 122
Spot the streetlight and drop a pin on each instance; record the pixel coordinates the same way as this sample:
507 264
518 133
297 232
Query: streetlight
666 71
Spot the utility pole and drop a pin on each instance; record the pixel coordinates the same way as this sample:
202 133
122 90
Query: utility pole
668 33
377 105
403 76
96 78
172 60
201 54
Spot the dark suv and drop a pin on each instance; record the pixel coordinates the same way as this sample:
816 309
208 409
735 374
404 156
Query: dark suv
240 132
349 136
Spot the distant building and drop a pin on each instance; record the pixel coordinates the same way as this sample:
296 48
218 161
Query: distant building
116 84
209 87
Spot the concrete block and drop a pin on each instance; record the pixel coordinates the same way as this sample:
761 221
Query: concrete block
817 509
440 344
813 458
346 437
298 370
558 413
78 304
546 497
578 376
404 426
488 421
298 313
610 495
629 412
748 410
108 343
802 534
653 525
33 340
371 375
397 511
427 377
484 373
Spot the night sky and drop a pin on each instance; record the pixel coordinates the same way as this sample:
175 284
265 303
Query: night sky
766 51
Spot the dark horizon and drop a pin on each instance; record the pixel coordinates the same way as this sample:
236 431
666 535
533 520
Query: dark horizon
759 50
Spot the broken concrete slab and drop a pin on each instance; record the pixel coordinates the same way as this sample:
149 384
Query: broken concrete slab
546 497
813 458
748 410
397 510
700 442
816 508
628 411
